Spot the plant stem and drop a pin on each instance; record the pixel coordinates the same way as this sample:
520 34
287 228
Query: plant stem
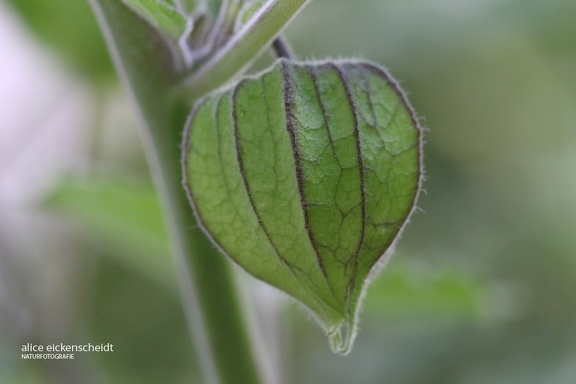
243 48
282 48
146 64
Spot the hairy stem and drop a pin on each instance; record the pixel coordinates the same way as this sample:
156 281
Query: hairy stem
282 48
147 66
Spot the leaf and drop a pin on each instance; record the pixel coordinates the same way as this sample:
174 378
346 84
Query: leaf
122 216
410 290
161 15
70 29
305 175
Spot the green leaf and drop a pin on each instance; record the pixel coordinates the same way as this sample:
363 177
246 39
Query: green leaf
410 290
69 27
160 14
305 175
123 217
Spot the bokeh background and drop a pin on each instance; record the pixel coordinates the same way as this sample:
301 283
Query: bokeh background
481 289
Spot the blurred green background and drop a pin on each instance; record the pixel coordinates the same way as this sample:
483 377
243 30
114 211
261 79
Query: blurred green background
481 289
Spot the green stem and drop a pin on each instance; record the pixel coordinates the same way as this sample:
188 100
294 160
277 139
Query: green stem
241 51
146 65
